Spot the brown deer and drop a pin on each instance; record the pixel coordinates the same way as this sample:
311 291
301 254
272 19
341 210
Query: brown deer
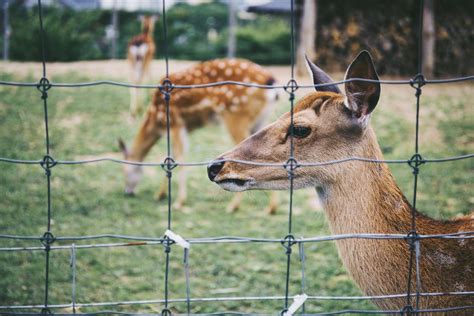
141 50
358 197
242 109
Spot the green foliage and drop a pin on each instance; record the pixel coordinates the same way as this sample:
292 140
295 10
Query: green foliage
70 35
265 40
195 32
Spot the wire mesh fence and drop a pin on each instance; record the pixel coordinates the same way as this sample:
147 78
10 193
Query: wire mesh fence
170 241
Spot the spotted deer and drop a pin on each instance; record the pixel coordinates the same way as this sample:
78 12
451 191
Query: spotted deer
357 197
141 50
241 109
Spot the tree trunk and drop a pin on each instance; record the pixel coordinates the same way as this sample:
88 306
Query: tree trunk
307 36
232 40
428 45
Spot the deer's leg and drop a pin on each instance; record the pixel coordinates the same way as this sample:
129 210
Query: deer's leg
133 101
273 204
239 129
180 136
162 189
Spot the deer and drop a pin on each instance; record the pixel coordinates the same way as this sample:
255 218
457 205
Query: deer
141 50
357 197
242 109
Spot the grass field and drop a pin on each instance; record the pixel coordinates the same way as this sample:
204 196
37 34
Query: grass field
88 199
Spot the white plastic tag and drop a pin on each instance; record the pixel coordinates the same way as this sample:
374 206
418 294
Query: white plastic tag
177 239
298 300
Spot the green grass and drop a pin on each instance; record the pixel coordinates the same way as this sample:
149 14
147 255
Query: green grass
88 199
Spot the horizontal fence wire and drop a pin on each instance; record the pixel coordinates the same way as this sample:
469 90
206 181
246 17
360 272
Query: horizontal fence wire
48 162
239 161
237 298
237 83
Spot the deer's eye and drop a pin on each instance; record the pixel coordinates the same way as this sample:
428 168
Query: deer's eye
299 131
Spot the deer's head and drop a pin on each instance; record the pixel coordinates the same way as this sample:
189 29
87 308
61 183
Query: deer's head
133 173
327 126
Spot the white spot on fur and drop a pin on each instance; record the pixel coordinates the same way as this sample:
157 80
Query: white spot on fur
244 66
238 71
443 258
229 94
220 107
228 72
198 73
233 108
246 79
221 65
213 72
235 100
244 98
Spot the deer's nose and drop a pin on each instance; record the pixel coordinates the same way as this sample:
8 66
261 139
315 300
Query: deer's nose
214 168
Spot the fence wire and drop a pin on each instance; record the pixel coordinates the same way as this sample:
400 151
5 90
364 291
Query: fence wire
169 164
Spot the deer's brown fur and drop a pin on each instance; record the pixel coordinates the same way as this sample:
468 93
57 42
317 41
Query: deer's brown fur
242 110
358 197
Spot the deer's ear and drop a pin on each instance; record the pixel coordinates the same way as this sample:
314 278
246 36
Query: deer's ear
320 77
361 96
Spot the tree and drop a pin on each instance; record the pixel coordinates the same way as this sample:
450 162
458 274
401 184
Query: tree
307 35
428 45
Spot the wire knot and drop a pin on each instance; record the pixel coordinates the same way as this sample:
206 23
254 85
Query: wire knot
47 240
168 165
407 311
291 88
415 162
166 87
288 242
43 86
417 82
291 165
284 311
166 312
48 163
412 237
46 311
167 242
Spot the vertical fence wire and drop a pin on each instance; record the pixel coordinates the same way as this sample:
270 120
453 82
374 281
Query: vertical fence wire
415 162
73 281
169 162
48 162
291 163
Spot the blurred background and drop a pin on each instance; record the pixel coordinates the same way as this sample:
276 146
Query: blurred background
333 31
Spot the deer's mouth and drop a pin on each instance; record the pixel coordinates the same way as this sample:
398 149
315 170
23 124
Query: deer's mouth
235 184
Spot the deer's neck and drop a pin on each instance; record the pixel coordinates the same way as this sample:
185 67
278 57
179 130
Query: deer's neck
365 198
146 137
